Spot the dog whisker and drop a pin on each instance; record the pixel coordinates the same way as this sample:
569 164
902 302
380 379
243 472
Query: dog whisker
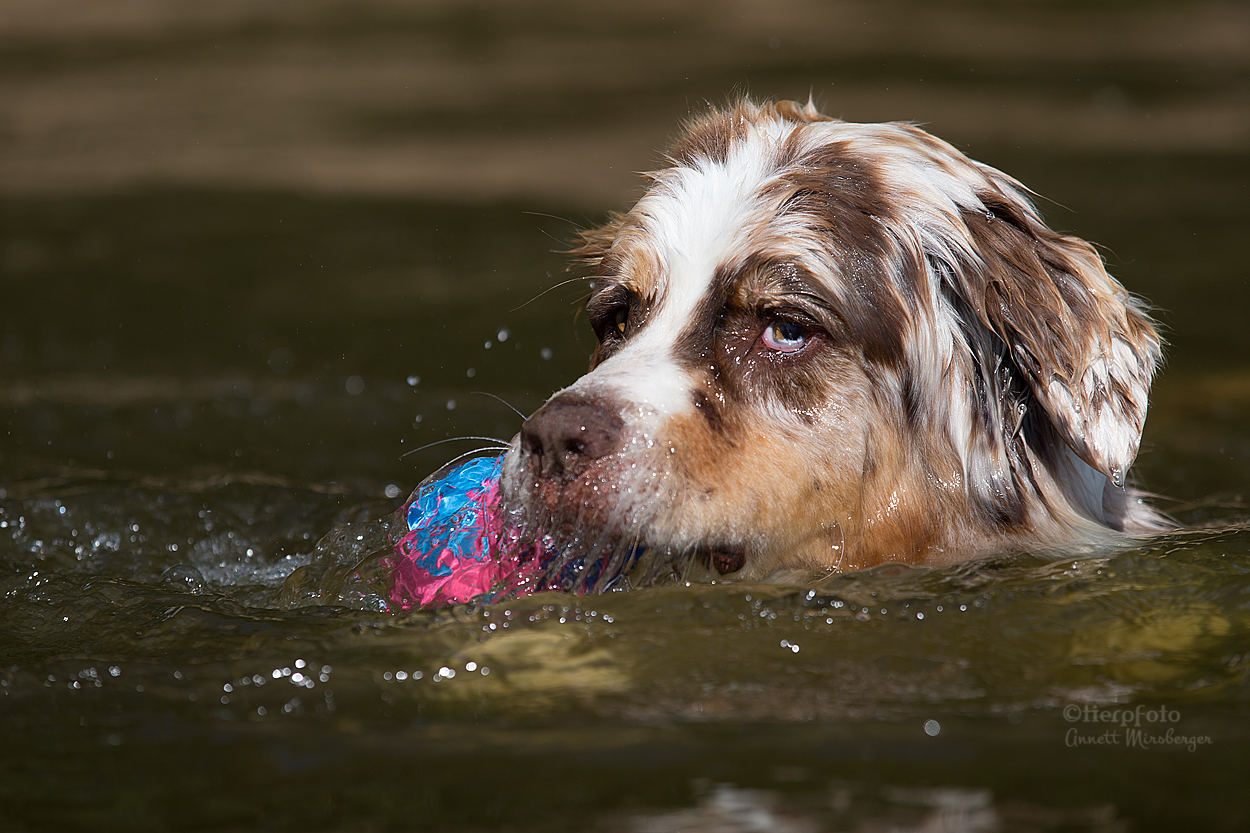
549 289
503 445
511 407
483 451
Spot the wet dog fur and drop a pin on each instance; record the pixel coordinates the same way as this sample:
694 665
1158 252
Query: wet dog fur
830 345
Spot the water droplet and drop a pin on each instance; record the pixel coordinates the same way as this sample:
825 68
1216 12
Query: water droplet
413 381
355 385
932 727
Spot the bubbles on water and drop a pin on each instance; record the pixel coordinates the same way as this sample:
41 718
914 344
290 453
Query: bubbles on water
346 568
186 578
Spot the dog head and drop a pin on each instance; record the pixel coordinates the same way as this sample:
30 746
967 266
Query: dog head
827 344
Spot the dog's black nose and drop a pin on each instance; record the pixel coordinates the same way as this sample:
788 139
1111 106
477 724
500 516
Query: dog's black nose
564 436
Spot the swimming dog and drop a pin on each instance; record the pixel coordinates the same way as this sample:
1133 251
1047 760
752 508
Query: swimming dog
825 344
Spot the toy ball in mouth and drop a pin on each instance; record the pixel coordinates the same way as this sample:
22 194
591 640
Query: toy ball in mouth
456 542
454 548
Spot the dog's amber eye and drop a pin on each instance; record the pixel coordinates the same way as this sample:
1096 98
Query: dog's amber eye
620 319
784 336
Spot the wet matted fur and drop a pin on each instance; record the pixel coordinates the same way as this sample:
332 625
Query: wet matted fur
828 344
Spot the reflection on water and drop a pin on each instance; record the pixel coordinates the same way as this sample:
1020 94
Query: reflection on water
725 808
253 257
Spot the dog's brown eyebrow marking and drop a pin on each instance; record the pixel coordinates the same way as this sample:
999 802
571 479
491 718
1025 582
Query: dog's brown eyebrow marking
839 194
777 282
630 271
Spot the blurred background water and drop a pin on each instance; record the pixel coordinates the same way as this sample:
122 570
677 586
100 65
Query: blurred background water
252 254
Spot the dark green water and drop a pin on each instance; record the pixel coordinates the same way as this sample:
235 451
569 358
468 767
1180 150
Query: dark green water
198 383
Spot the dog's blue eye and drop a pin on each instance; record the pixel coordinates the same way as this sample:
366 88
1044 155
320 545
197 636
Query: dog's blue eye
784 336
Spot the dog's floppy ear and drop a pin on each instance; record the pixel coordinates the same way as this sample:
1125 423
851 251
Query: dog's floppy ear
1086 348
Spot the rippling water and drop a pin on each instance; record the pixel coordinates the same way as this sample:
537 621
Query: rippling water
210 393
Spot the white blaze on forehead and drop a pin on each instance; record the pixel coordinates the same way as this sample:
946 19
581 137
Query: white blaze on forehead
695 218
